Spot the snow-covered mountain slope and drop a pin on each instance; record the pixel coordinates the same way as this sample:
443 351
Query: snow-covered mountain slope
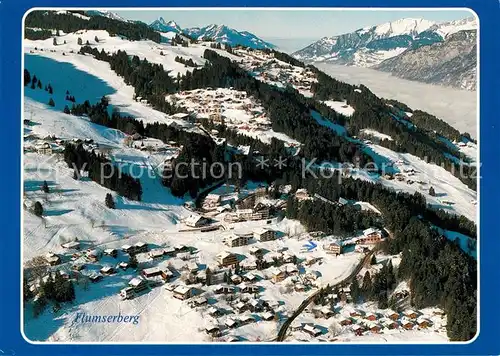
161 25
156 53
452 62
108 14
224 34
446 29
456 107
370 46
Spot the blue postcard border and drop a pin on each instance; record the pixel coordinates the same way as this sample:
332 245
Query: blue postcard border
11 340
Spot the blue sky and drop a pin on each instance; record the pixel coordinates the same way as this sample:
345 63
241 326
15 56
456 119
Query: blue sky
288 24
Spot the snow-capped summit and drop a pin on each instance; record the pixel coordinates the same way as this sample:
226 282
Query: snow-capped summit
405 26
225 34
108 14
162 26
448 28
369 46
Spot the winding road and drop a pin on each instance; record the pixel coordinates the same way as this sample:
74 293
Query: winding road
284 328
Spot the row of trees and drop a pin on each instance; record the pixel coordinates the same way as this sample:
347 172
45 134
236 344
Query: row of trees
420 136
35 82
317 215
187 62
440 273
67 22
54 288
102 171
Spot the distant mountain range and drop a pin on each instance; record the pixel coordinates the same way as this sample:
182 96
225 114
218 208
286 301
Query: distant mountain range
371 46
218 33
451 62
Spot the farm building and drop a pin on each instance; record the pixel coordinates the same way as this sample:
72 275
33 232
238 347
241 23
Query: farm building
73 245
333 248
236 279
212 200
138 283
264 234
267 316
231 323
277 275
151 272
52 259
226 258
370 236
93 255
196 221
123 265
213 330
358 329
411 314
256 251
301 194
166 274
198 302
392 315
141 247
44 149
236 240
111 252
128 249
183 292
311 330
158 253
223 290
107 270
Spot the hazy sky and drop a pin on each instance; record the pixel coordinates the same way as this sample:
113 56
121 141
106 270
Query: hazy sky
290 24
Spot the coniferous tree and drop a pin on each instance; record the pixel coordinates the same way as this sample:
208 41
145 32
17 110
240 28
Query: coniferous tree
96 39
38 209
373 260
51 102
367 286
39 305
133 261
27 293
110 202
39 84
355 290
79 41
432 192
50 89
208 274
54 42
33 85
27 77
45 187
66 110
391 277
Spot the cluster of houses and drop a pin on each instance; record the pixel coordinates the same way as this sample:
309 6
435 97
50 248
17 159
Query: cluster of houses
221 106
212 103
270 70
362 323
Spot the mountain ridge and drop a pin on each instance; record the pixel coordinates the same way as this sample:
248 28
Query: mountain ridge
369 46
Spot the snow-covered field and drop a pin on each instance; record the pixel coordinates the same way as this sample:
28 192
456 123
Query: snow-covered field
76 208
456 107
